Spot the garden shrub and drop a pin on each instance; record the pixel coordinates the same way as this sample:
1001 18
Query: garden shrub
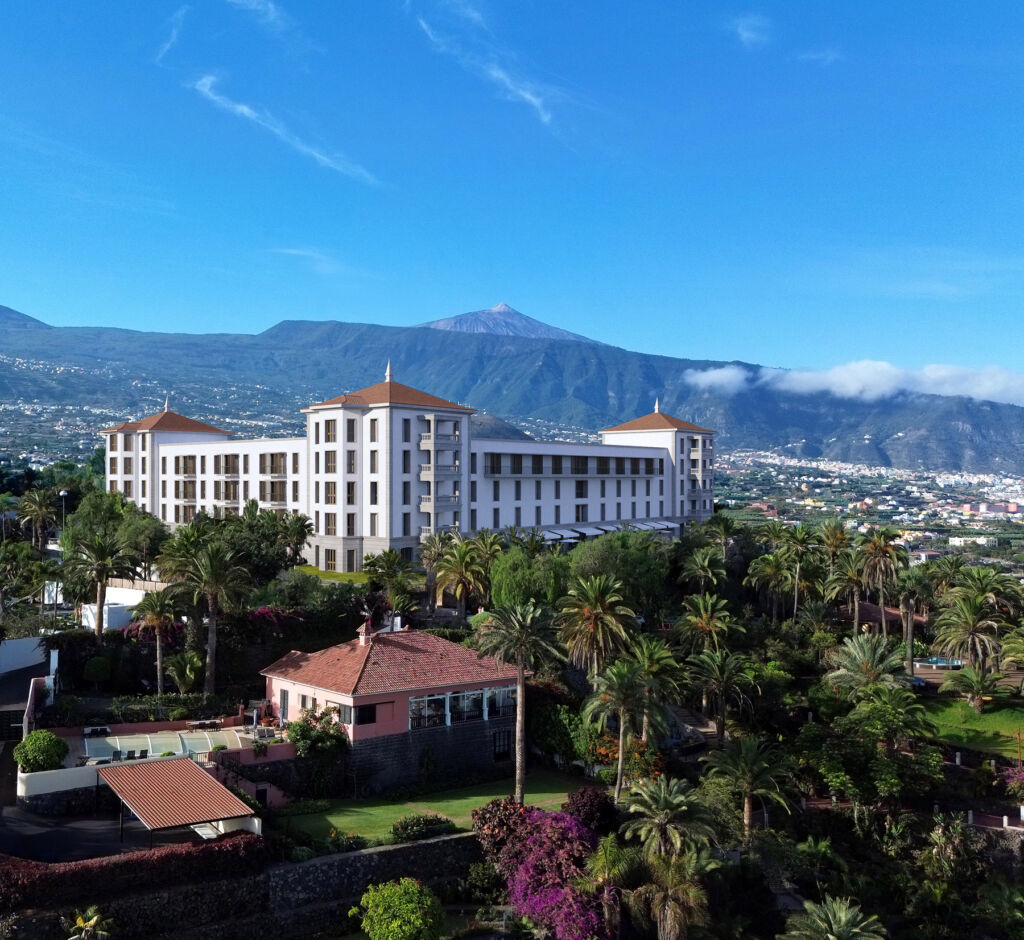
345 841
302 853
41 750
497 823
483 884
593 807
219 747
96 670
401 910
421 826
168 753
178 714
304 808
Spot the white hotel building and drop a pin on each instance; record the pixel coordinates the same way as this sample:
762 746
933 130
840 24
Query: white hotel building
387 465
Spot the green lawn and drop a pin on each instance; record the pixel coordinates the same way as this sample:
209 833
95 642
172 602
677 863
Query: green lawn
353 577
993 730
373 818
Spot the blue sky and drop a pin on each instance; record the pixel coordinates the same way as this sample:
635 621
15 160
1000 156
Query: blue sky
802 185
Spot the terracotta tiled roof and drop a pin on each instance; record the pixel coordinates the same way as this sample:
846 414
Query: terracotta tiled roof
657 421
391 662
393 393
166 794
165 421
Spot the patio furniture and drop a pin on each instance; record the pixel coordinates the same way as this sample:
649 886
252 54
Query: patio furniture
130 755
144 753
116 755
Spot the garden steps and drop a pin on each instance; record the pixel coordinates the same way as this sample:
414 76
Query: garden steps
698 722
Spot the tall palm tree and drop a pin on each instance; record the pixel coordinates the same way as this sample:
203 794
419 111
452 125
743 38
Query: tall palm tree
432 550
834 919
863 661
705 566
101 558
725 678
769 574
847 582
593 620
882 559
8 502
158 610
609 870
772 534
969 629
523 637
801 542
670 817
721 528
914 589
834 541
705 620
459 570
673 897
945 572
976 685
215 577
388 568
489 546
753 768
618 693
296 529
659 672
37 511
1002 591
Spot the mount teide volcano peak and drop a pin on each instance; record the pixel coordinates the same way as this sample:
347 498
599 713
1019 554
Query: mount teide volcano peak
503 320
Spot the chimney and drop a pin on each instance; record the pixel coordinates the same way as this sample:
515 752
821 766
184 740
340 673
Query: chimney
365 634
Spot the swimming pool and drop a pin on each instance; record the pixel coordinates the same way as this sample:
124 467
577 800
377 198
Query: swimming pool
940 662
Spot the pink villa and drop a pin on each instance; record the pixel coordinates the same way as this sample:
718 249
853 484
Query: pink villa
414 705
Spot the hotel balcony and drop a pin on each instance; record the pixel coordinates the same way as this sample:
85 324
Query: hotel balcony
426 530
439 471
431 438
429 503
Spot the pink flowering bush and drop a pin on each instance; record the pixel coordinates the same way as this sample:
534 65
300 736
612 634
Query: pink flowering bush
1013 779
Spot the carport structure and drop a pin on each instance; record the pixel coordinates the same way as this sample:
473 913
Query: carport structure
175 794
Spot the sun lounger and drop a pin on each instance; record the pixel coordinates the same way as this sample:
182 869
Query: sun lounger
130 755
116 755
144 753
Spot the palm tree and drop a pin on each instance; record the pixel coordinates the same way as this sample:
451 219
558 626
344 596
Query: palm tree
432 550
770 574
969 629
999 589
705 618
772 534
522 636
609 870
671 818
834 919
752 768
704 566
882 559
8 501
459 570
593 620
944 572
618 693
801 542
863 661
216 578
721 528
158 610
901 715
659 672
387 568
847 582
184 669
834 541
488 546
673 897
976 685
724 677
914 589
101 558
296 529
36 510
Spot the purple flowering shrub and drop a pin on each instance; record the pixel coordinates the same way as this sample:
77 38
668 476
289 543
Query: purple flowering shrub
172 638
1013 780
593 807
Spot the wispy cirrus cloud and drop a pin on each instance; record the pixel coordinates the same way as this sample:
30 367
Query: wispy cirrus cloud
339 163
319 261
751 29
267 13
176 22
477 53
827 56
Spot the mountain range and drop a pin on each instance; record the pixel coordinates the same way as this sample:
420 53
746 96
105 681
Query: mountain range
499 361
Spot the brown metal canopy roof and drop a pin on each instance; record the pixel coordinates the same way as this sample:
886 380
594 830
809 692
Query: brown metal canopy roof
168 794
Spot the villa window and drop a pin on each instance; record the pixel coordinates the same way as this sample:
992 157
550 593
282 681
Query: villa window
428 711
366 714
466 706
344 713
330 431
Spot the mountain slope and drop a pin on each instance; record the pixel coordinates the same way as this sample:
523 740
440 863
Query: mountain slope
503 320
16 320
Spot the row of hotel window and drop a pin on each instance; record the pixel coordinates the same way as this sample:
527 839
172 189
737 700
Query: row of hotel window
428 711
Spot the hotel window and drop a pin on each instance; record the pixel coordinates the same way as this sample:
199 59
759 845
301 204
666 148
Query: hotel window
127 465
330 523
536 516
661 487
519 516
406 493
472 463
581 512
647 509
373 494
350 560
350 493
330 431
603 465
618 488
373 461
202 464
497 518
202 489
602 512
634 465
472 491
517 463
373 524
406 524
647 490
316 491
350 430
661 465
558 489
143 489
245 463
113 465
143 464
163 513
127 441
496 486
519 489
472 519
494 463
163 489
556 464
330 461
632 510
633 487
316 432
538 463
350 461
579 466
581 489
216 463
406 430
330 493
245 489
558 514
330 559
536 489
618 510
113 442
373 430
163 464
620 465
216 489
602 489
350 523
406 461
295 462
127 488
295 491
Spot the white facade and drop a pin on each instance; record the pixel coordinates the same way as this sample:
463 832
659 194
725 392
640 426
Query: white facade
388 465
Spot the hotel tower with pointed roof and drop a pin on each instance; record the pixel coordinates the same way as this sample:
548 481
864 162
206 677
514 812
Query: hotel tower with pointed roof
388 465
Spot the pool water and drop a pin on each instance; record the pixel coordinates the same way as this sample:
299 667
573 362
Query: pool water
940 662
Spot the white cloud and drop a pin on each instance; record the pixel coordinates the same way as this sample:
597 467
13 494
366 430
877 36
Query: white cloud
176 23
868 380
468 12
821 56
319 261
267 12
332 161
752 29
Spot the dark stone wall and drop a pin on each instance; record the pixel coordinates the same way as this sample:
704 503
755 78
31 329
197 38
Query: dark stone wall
79 802
443 756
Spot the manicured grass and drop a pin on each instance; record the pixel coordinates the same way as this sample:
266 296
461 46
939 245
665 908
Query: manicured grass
373 818
352 577
993 730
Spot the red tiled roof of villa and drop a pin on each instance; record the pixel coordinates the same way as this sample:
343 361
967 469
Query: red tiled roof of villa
165 421
658 421
390 662
391 393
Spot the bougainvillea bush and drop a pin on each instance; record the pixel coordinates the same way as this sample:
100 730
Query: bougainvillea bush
497 823
593 807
